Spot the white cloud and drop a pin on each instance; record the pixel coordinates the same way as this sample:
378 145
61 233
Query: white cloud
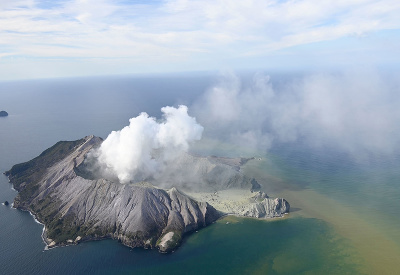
142 148
190 31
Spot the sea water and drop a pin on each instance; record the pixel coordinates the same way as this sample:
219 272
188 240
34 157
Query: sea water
344 213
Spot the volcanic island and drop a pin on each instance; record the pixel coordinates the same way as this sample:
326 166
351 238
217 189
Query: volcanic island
74 205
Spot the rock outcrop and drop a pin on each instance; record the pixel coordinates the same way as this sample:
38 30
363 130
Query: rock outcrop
3 113
242 202
265 207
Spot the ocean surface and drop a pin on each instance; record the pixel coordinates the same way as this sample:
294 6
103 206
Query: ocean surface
344 217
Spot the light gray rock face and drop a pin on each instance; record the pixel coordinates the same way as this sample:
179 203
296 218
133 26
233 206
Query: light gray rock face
267 208
242 202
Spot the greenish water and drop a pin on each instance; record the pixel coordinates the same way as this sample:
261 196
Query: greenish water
247 246
344 213
359 200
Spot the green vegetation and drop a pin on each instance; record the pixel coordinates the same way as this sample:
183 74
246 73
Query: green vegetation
62 229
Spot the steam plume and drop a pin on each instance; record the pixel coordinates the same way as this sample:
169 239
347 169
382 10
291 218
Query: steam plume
355 112
140 149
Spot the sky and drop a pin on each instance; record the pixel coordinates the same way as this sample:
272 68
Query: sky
55 38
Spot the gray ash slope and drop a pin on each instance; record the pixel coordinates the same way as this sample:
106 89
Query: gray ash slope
74 207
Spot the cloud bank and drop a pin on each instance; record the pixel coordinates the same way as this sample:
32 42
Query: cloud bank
90 37
142 148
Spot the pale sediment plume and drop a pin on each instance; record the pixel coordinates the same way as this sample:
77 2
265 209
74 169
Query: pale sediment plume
368 240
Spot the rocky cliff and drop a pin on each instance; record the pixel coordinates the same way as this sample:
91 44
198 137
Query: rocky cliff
75 207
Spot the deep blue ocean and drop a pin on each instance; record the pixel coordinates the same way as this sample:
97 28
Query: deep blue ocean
344 216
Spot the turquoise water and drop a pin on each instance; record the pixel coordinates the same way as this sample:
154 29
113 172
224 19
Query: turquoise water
316 238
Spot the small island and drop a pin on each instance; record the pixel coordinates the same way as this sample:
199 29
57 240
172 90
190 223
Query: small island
61 191
3 113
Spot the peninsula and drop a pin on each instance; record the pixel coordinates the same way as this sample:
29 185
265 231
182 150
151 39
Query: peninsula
74 205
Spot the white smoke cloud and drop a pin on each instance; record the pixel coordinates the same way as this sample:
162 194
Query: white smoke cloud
140 150
356 112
